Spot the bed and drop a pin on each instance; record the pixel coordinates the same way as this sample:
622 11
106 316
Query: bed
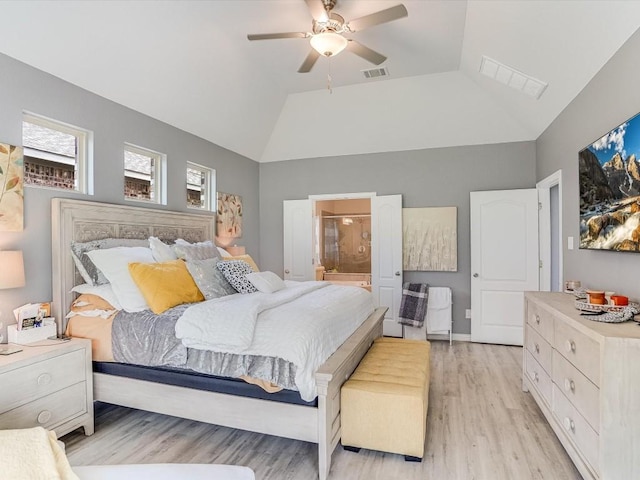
75 220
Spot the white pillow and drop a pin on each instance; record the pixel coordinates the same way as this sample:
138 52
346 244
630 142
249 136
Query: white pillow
103 291
266 282
161 251
195 251
223 253
114 263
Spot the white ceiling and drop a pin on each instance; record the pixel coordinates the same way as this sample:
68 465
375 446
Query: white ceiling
189 63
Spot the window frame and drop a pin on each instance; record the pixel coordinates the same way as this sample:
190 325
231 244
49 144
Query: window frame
158 174
84 151
210 194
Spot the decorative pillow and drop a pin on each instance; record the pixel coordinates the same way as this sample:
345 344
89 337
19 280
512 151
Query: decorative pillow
246 258
87 269
235 271
209 279
266 282
223 253
114 263
165 285
161 251
195 251
105 292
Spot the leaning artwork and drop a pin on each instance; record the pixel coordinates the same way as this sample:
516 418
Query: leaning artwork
11 188
430 239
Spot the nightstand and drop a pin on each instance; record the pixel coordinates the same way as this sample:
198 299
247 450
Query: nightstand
48 384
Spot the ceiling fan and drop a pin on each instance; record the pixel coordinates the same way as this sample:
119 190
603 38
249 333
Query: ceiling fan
326 36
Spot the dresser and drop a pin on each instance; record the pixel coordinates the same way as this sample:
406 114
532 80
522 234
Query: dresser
49 384
585 377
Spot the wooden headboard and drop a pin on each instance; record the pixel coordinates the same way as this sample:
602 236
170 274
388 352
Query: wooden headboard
82 221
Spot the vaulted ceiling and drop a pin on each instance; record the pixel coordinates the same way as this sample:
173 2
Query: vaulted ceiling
189 64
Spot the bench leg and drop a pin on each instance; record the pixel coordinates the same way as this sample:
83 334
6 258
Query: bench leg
409 458
351 449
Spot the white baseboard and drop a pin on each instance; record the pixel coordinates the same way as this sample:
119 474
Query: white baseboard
458 337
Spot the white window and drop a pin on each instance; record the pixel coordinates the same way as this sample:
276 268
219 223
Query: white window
144 173
56 154
201 187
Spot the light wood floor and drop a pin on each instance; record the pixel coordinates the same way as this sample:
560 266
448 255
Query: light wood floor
480 426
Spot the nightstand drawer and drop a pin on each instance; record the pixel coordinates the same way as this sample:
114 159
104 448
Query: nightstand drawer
41 378
49 411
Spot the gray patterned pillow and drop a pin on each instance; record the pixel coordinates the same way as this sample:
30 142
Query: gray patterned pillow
89 272
235 271
209 279
195 251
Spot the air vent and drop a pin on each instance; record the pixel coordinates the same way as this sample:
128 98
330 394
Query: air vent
375 72
512 78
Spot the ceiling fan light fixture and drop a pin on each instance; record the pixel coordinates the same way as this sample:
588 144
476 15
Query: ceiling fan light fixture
328 44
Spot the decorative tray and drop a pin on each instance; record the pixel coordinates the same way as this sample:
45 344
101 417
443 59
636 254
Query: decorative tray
594 308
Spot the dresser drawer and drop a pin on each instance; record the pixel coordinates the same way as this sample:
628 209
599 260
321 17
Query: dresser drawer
41 378
49 411
578 389
538 377
541 321
582 351
576 428
539 348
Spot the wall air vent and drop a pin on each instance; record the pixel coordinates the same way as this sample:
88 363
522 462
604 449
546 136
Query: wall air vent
512 78
375 72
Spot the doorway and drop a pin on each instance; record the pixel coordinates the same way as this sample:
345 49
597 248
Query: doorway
550 232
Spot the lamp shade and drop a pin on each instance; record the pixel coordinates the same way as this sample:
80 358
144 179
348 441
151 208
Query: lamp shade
11 269
328 43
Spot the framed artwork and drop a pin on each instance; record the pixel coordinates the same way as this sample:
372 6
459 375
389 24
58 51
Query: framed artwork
11 188
430 239
229 217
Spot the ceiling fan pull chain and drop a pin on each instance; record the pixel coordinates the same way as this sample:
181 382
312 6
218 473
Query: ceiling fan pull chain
329 76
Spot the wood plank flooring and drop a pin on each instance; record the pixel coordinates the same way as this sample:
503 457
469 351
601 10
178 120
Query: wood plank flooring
480 426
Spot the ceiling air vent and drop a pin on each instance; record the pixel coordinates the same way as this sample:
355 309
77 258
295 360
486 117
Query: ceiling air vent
512 78
375 72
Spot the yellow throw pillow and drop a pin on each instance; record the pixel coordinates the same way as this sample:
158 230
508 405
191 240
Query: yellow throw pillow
246 258
165 285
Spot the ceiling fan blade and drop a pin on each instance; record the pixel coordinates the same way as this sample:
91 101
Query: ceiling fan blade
383 16
365 52
309 62
317 9
272 36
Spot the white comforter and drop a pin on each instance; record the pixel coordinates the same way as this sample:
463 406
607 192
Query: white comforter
302 324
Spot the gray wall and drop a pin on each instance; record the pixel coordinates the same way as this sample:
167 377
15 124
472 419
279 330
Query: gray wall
612 97
425 178
23 88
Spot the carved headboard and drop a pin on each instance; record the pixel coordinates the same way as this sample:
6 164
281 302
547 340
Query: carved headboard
82 221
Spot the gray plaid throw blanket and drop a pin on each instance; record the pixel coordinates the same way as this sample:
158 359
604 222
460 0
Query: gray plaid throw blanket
413 308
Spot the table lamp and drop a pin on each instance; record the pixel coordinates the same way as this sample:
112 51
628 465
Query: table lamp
11 274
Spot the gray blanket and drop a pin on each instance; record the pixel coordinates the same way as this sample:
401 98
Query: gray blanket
413 308
145 338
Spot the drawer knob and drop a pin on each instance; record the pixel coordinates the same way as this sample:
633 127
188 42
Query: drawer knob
535 376
570 346
569 385
537 347
44 379
44 417
569 425
538 319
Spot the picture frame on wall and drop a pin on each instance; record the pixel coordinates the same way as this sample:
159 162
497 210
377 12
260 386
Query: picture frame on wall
430 239
229 215
11 188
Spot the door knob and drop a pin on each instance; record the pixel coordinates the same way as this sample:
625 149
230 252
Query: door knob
475 275
397 274
286 271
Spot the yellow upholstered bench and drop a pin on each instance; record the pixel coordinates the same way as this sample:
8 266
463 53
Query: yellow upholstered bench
384 403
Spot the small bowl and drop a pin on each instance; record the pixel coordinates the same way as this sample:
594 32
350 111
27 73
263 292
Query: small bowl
596 297
620 300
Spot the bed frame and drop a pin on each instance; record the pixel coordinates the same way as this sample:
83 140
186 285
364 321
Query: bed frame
77 220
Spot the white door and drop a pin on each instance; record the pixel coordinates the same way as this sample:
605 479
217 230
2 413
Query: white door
504 262
386 259
298 240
